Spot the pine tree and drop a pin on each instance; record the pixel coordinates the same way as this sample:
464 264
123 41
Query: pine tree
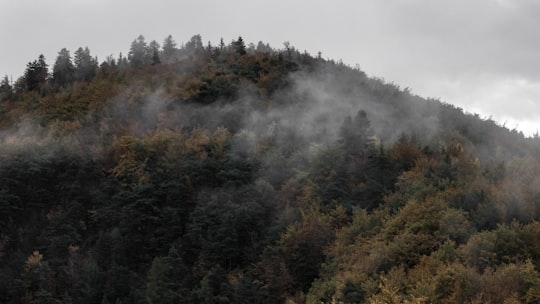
154 50
239 46
85 65
194 45
139 52
356 134
63 69
36 74
169 49
6 90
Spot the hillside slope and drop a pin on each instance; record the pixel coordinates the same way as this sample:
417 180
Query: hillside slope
244 174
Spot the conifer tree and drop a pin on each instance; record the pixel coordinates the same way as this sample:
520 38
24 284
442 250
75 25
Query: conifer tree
139 52
169 49
63 69
36 74
85 65
239 46
194 45
6 90
154 51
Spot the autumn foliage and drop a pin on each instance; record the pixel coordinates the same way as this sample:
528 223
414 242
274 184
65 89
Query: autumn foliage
239 173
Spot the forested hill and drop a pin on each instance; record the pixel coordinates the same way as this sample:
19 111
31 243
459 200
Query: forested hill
245 174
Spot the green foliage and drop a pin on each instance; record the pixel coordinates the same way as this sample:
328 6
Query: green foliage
85 65
6 89
63 69
139 52
164 280
36 74
214 288
352 293
239 46
244 174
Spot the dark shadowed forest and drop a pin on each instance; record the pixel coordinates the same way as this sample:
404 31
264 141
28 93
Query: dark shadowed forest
242 173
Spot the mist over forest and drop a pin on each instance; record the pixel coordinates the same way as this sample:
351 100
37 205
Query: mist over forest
243 173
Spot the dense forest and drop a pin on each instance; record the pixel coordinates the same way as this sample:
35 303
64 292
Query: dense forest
241 173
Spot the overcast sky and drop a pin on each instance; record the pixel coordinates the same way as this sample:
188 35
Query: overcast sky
481 55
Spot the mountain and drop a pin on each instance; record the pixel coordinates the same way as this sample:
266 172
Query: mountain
246 174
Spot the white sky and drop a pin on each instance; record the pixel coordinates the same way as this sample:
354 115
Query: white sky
481 55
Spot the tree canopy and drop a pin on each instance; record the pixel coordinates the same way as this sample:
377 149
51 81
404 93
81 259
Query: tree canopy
247 174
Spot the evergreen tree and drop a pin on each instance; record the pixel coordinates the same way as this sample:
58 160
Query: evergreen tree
263 48
36 279
355 134
85 65
194 45
214 287
166 279
122 61
239 46
169 49
154 50
139 52
6 90
36 74
155 57
352 293
221 44
63 69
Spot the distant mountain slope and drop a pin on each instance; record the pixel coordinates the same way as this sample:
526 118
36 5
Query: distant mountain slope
244 174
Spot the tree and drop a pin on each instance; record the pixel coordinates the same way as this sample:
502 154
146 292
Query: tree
154 50
169 49
263 48
36 74
194 45
63 69
6 90
139 52
85 65
221 44
36 279
158 286
288 49
214 287
352 293
209 47
167 278
108 64
122 61
355 134
239 46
